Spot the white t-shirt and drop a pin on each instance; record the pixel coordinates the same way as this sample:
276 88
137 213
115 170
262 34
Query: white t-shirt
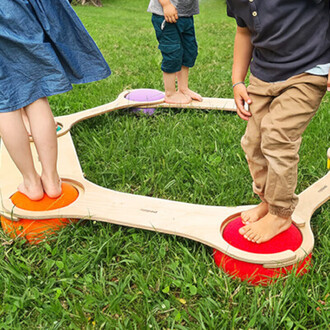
320 70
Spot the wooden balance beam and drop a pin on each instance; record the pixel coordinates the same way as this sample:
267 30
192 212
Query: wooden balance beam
201 223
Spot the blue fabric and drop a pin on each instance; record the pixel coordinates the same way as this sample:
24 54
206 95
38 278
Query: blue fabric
44 48
177 42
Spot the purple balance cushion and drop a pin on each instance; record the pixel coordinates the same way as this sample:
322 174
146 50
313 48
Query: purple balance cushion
145 94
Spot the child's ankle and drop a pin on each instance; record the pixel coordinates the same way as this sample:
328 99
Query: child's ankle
50 176
169 93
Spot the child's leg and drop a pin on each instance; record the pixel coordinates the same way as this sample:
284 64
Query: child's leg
26 121
44 136
16 140
168 36
190 51
183 77
289 114
171 95
251 144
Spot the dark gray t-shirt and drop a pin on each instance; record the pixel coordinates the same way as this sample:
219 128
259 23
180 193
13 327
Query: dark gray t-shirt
185 8
289 36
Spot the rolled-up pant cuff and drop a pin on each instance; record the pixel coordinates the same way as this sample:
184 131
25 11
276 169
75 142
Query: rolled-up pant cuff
280 211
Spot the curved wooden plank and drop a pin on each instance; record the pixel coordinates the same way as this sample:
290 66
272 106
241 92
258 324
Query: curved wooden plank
208 103
202 223
67 121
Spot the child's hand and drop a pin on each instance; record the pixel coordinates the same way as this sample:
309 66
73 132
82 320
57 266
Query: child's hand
241 97
170 13
328 85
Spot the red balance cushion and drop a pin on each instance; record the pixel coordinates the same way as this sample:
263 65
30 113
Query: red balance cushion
290 239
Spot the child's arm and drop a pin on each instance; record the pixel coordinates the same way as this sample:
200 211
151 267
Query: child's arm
170 12
328 85
242 58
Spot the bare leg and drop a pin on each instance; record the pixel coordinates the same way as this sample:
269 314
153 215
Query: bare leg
255 214
266 228
44 135
171 95
16 140
183 77
26 121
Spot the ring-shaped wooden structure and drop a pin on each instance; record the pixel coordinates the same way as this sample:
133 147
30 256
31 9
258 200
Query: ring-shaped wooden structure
201 223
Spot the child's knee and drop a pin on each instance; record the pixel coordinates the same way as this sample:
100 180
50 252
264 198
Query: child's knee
250 145
190 54
189 61
172 57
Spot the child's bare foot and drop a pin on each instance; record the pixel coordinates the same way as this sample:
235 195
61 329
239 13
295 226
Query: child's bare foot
32 189
177 98
255 214
192 94
52 186
266 228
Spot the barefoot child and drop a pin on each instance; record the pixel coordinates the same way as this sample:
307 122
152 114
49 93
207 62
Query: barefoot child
286 44
43 49
174 25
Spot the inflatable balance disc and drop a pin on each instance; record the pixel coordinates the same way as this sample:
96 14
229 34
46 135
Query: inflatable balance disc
145 94
256 274
35 231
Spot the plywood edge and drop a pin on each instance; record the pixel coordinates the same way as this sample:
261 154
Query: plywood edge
208 103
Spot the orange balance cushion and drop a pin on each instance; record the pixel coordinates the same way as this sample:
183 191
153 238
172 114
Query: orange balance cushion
36 230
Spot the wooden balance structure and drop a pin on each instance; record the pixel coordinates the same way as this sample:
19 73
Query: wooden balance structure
201 223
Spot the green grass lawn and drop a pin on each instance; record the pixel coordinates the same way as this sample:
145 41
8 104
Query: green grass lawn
103 276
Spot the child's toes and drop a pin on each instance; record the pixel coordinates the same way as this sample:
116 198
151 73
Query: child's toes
254 237
258 240
245 230
244 217
249 236
242 230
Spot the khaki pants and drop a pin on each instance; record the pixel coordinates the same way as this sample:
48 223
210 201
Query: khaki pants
280 112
